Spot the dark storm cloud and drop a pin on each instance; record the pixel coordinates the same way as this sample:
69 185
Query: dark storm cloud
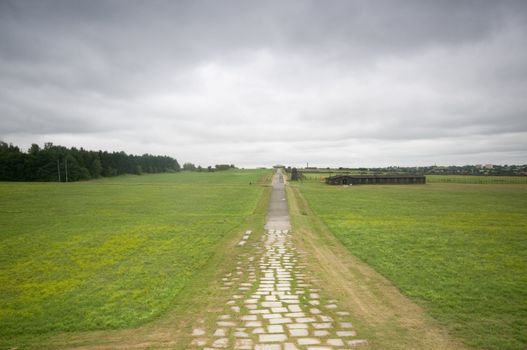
242 77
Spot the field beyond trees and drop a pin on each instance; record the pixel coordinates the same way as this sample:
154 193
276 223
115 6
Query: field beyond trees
471 179
458 250
111 253
459 179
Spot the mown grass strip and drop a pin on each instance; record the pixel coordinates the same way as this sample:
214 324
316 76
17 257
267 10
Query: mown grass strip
379 312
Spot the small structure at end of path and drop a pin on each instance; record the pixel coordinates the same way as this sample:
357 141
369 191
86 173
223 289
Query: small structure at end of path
407 179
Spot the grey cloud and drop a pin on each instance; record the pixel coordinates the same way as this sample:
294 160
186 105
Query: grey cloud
241 77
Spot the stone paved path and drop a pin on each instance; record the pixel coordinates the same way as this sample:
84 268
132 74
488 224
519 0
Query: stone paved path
275 304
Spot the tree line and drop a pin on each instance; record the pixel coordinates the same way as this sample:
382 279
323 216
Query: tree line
479 170
59 163
199 168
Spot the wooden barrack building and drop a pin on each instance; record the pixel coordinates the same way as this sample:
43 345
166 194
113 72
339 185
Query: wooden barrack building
375 179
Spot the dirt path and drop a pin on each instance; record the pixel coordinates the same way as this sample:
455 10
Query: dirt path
276 303
278 213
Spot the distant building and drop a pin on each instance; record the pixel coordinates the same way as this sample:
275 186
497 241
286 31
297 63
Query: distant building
375 179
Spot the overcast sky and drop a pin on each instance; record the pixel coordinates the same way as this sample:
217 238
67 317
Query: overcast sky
332 83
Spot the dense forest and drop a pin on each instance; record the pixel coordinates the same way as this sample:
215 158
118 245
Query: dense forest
58 163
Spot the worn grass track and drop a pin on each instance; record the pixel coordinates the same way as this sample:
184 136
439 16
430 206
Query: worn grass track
380 312
457 250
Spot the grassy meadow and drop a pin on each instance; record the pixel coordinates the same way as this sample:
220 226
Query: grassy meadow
459 250
114 252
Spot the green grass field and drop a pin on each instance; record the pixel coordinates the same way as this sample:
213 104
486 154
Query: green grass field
111 253
458 250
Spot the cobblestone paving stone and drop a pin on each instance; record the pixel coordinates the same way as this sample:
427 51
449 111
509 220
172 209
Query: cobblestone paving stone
276 305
